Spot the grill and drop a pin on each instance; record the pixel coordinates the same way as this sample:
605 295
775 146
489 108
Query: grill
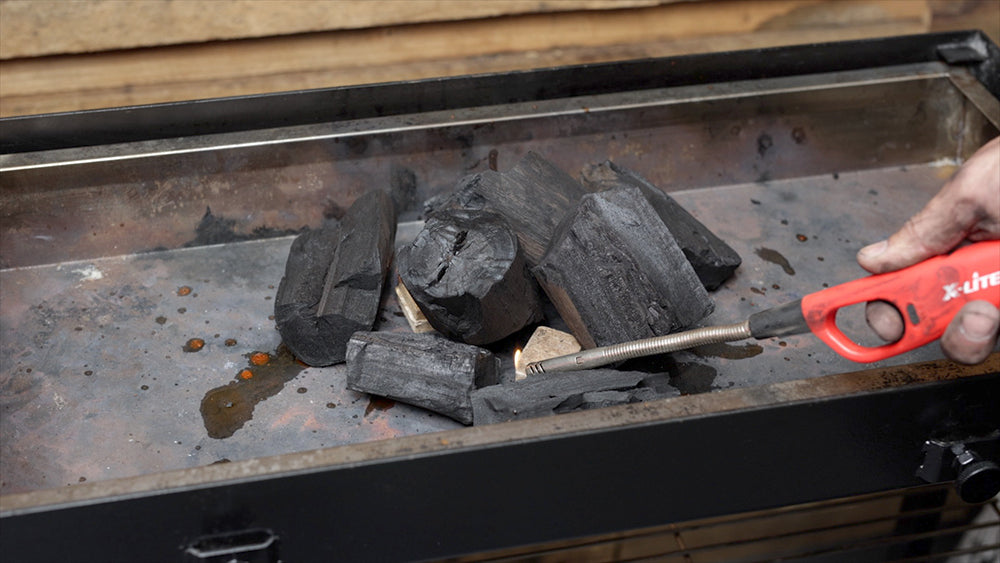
126 234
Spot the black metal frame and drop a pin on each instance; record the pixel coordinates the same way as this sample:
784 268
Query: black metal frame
453 501
480 499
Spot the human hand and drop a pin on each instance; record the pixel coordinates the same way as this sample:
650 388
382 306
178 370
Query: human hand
966 208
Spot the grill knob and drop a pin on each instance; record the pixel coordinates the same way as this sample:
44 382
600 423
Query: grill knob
978 479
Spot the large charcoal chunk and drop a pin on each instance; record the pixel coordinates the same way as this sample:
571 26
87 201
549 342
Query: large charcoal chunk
615 273
420 369
713 260
559 393
533 196
333 281
467 273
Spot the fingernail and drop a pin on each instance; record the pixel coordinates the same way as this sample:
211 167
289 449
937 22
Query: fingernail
874 249
978 327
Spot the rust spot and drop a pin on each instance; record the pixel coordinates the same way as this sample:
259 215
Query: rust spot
301 390
230 342
801 237
246 374
193 345
260 358
184 290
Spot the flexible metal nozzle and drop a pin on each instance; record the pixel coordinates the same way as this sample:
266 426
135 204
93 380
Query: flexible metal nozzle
596 357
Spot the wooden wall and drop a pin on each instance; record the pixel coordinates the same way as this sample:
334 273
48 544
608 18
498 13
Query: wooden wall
57 55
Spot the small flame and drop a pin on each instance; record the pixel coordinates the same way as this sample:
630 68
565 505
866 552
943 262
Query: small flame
519 365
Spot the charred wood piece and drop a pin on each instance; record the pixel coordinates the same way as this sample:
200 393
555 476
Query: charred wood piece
615 273
333 281
467 273
533 196
559 393
425 370
713 260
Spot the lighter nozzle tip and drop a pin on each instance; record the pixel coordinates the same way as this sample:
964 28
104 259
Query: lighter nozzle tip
534 368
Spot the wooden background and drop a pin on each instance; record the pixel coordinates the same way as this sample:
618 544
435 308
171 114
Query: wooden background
60 55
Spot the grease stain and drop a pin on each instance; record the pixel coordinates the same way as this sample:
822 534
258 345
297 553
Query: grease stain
378 403
226 409
775 257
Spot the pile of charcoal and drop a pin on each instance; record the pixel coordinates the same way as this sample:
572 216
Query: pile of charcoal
616 257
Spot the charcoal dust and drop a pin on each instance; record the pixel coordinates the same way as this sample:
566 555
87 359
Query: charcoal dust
215 229
728 351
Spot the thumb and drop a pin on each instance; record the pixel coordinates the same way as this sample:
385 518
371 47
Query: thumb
972 334
935 230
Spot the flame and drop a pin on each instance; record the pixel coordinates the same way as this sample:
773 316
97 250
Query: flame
519 365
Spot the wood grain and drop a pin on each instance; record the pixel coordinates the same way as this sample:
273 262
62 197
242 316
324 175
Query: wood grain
32 85
32 28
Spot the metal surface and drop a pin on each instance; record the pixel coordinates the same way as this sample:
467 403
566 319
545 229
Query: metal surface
111 266
97 384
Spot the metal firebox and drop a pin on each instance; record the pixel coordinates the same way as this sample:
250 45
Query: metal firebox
128 235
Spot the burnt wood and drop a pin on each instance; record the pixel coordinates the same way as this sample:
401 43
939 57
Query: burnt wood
467 273
333 281
533 196
615 273
545 395
425 370
713 260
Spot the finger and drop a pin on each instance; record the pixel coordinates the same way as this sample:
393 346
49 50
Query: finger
936 229
972 334
967 206
884 320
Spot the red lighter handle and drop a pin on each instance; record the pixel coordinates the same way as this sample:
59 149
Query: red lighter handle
928 295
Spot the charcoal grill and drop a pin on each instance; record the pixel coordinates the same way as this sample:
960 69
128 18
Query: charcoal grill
805 152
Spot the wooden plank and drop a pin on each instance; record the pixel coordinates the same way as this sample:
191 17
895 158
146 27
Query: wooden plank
31 28
337 58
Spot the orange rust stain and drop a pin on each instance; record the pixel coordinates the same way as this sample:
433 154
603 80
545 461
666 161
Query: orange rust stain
194 344
260 358
184 290
246 374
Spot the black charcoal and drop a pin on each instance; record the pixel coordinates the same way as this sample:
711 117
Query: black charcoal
615 273
425 370
532 197
713 260
556 393
467 273
333 281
